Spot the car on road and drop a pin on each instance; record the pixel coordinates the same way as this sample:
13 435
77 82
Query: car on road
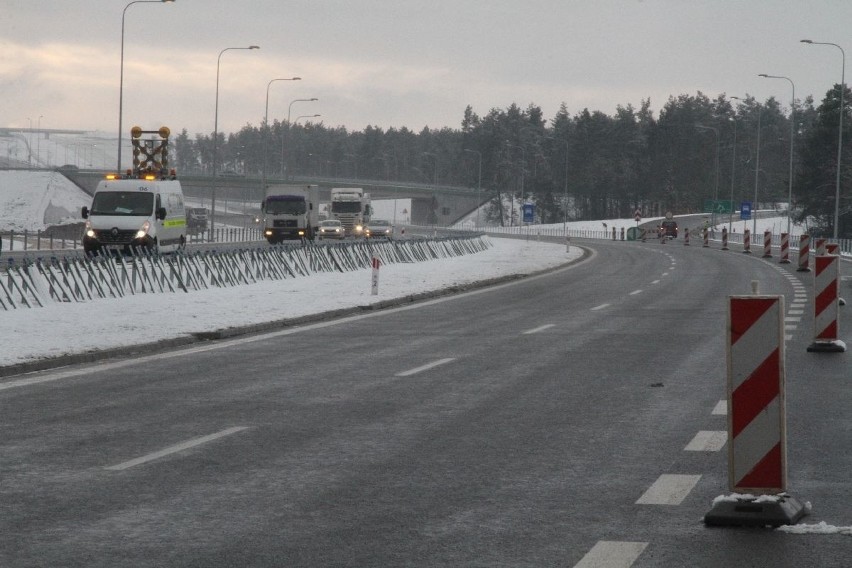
669 228
378 229
330 229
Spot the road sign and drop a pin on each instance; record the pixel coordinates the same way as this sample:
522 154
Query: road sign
745 210
718 206
529 212
637 215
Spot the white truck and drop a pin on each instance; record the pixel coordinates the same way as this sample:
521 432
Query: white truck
142 209
290 212
351 206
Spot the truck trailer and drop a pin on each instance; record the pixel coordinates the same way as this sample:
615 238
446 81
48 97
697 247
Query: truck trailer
290 212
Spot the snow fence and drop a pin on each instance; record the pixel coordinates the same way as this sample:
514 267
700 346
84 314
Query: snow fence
80 279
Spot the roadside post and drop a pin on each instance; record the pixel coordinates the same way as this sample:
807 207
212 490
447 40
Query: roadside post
746 241
820 246
827 306
686 237
725 238
375 279
767 244
804 253
706 237
785 249
757 440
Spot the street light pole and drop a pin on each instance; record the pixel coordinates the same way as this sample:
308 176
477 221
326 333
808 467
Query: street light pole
792 138
121 76
523 167
216 139
478 184
565 190
294 122
266 129
38 138
733 172
716 190
756 176
286 172
840 135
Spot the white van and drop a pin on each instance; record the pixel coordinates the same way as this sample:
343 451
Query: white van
146 212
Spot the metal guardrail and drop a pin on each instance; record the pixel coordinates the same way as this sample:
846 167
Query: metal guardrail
80 279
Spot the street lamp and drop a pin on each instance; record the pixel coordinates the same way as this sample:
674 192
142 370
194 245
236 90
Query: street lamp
294 122
523 167
266 127
756 174
716 191
565 191
289 110
840 135
792 137
38 138
216 139
733 171
478 184
436 165
121 78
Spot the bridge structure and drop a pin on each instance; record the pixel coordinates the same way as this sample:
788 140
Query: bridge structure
430 204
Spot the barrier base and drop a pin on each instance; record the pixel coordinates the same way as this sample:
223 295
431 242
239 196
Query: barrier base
750 511
784 261
836 346
803 270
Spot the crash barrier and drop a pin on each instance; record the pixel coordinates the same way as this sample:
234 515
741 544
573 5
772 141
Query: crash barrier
725 239
747 241
70 240
826 305
757 451
686 237
80 279
767 244
706 237
785 249
804 253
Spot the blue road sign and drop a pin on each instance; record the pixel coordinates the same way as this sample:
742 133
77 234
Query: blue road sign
529 212
745 210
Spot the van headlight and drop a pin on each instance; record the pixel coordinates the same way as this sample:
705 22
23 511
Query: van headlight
143 232
88 230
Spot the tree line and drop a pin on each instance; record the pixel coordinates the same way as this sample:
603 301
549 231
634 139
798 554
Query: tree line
696 153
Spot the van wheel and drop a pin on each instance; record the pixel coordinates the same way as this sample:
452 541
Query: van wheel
182 244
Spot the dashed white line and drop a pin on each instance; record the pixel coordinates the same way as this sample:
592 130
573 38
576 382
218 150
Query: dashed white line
612 554
602 306
708 441
721 408
537 329
176 448
655 282
795 312
425 367
792 319
634 292
669 489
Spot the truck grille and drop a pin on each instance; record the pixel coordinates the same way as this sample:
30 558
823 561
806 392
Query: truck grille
284 223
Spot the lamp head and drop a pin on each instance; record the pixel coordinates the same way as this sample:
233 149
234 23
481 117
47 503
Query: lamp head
805 41
254 47
763 75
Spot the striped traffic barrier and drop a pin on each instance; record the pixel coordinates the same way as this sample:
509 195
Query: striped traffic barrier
767 244
757 449
724 238
747 241
706 238
804 253
826 305
832 248
644 234
686 237
374 288
785 248
819 246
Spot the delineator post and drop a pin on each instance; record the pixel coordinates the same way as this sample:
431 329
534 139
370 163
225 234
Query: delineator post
804 253
827 306
785 249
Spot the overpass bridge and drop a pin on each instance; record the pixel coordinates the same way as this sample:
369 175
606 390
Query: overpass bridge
430 204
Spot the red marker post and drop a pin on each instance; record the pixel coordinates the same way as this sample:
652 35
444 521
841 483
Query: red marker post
757 448
785 249
804 253
827 306
375 288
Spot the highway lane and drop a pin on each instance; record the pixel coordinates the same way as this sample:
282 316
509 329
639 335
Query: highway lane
515 426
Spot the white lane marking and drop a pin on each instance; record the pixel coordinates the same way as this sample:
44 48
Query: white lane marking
602 306
537 329
788 338
669 489
791 326
665 274
721 408
795 319
795 312
425 367
634 292
655 282
176 448
612 554
708 441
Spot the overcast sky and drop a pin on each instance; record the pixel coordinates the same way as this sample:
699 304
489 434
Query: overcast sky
394 63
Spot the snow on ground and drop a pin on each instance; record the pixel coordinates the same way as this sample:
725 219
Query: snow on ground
34 200
70 328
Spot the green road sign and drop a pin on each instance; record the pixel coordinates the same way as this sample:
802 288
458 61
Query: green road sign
718 206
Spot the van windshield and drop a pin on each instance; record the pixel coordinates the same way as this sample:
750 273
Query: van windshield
131 203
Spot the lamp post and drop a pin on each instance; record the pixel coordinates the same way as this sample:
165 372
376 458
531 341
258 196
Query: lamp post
121 77
792 138
523 167
565 190
30 145
286 172
266 128
216 139
733 172
297 119
435 156
38 138
840 135
716 190
478 184
756 175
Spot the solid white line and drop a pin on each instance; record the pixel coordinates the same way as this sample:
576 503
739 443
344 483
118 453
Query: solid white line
537 329
612 554
655 282
708 441
634 292
425 367
721 408
176 448
669 489
602 306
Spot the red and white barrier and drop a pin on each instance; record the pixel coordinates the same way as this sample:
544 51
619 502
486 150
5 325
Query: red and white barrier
767 244
827 305
832 248
820 246
747 241
785 248
756 416
686 237
757 452
804 253
706 238
724 238
375 280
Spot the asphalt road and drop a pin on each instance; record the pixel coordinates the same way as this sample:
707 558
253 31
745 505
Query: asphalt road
521 425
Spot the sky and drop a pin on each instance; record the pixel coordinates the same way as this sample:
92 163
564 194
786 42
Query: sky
398 63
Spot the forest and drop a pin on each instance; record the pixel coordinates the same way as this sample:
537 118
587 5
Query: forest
698 154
